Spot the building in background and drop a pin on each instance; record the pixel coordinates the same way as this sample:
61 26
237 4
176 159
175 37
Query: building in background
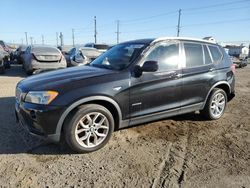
239 51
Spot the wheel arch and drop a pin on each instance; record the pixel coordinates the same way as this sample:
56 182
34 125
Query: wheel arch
222 85
107 102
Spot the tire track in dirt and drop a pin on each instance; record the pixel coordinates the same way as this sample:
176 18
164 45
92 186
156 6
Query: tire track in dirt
172 170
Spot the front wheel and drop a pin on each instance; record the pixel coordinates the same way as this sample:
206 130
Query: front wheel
89 128
215 105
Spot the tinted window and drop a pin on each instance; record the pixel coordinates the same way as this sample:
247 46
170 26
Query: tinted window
167 56
215 52
118 57
194 54
208 59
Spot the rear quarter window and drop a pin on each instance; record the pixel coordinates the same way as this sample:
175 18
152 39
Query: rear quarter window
216 53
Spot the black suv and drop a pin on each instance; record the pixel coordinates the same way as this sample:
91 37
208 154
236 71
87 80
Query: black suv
132 83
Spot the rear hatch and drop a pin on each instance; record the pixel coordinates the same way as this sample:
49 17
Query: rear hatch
47 54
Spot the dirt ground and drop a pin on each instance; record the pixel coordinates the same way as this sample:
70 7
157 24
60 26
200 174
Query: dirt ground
183 151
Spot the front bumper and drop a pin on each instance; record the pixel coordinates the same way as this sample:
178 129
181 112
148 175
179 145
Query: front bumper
39 120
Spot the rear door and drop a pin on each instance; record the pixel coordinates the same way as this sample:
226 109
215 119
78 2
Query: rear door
198 73
158 91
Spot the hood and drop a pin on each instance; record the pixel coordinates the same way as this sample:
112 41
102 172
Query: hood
56 79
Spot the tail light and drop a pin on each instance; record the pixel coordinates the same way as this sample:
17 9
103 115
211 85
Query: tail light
233 68
61 59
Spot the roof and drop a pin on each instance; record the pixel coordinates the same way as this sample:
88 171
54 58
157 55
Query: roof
153 40
184 38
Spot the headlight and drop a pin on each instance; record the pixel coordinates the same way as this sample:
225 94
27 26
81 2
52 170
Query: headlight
41 97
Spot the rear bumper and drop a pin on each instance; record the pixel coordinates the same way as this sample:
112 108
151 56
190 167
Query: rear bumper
35 65
39 121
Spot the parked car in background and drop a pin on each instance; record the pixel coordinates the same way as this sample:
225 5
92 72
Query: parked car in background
2 66
5 57
5 46
64 49
19 55
239 63
81 56
132 83
100 47
43 58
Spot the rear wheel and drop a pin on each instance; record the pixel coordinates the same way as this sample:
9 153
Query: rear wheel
89 129
216 104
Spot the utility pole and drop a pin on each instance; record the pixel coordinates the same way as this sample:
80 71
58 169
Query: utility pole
31 40
61 38
73 37
42 40
95 32
22 40
26 36
118 31
56 39
179 24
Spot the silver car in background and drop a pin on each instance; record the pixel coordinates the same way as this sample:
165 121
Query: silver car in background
81 56
43 58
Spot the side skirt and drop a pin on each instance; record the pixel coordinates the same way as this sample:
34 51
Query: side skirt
161 115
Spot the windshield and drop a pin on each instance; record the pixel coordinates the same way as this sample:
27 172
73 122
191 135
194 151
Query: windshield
118 57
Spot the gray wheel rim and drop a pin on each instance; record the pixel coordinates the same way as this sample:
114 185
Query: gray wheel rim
218 105
92 129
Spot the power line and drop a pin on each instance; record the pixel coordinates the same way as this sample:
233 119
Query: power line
150 17
218 22
217 10
215 5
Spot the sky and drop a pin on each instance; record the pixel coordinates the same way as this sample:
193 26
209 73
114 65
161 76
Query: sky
226 20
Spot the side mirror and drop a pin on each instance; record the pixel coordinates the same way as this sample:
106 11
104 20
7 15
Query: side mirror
78 58
148 66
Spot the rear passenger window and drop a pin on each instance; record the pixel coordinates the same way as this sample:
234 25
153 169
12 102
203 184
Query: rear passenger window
194 54
215 52
208 59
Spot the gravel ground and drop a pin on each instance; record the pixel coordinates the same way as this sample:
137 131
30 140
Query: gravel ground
183 151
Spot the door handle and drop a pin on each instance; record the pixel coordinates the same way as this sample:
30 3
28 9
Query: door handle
171 74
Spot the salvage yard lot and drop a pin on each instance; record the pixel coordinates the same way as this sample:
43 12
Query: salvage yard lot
183 151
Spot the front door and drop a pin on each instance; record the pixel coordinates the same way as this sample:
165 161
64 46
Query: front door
158 91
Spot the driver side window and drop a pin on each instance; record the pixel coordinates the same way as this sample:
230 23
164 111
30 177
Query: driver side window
167 56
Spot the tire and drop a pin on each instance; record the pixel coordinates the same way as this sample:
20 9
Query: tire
82 121
7 64
2 69
215 107
29 72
